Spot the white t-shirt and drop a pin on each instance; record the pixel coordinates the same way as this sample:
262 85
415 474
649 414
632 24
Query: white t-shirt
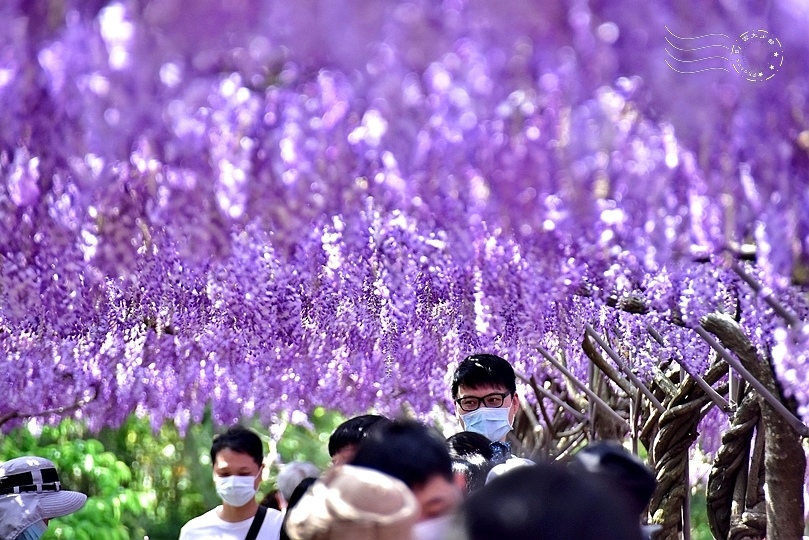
209 526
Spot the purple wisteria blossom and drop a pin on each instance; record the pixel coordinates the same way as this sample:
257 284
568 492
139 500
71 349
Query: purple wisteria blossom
263 206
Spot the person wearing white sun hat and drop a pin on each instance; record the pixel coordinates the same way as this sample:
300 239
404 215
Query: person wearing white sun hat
30 496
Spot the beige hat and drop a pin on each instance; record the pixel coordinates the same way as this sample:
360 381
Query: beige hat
354 503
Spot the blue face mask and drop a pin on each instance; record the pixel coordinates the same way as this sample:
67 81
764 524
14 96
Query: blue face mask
491 423
33 532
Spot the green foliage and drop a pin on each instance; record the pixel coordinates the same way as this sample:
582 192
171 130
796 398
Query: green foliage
700 530
84 466
174 469
146 482
310 443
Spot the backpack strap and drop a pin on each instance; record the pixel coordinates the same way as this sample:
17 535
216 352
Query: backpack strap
255 526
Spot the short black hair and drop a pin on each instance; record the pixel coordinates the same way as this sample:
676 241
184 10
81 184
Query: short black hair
239 439
623 472
480 370
407 450
474 468
547 502
270 500
354 430
468 443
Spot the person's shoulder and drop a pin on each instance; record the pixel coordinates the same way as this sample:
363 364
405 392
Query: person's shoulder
201 521
271 528
511 463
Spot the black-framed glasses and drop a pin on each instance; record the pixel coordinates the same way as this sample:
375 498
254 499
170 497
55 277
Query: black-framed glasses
473 403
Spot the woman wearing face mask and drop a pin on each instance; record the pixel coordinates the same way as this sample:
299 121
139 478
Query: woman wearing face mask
30 496
237 457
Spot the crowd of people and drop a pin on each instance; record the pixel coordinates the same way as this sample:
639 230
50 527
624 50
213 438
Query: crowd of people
392 480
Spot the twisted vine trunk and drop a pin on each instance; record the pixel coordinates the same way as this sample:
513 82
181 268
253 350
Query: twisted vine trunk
725 497
784 459
676 431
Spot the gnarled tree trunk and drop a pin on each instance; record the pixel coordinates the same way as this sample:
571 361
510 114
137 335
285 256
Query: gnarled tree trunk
784 458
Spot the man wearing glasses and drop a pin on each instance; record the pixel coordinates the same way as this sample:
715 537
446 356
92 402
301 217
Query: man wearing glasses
485 394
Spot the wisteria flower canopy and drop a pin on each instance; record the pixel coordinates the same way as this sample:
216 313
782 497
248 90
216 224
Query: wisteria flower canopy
264 206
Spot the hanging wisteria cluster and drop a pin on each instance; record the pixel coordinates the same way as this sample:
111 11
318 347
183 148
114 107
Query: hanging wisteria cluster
263 206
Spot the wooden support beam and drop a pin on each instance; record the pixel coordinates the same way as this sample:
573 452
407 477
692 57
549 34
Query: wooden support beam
707 388
583 387
623 367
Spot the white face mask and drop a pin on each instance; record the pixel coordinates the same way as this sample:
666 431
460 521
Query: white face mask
432 529
236 490
493 424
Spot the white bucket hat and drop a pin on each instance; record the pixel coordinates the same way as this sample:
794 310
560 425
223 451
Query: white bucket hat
29 492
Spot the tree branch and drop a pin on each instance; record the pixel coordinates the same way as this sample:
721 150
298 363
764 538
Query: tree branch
583 387
623 367
47 412
596 358
707 388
